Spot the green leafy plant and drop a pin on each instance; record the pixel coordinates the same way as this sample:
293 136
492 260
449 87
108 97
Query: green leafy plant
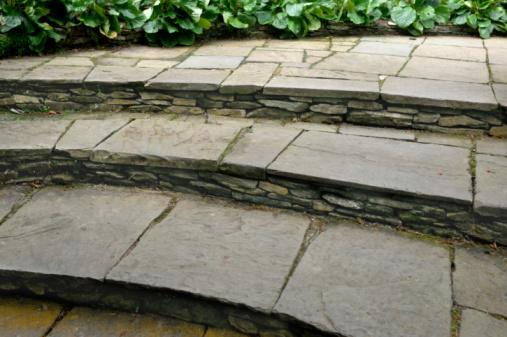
238 13
174 22
422 14
366 11
483 15
32 17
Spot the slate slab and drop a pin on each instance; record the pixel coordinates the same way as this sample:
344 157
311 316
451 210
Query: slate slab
153 52
84 135
435 138
363 63
248 78
475 323
422 170
18 64
472 42
320 73
164 143
501 94
57 75
217 50
451 52
299 44
256 150
75 232
26 317
495 42
30 137
8 197
11 75
491 186
121 75
382 48
480 279
104 323
499 72
71 61
275 55
321 87
358 282
115 61
156 64
357 130
492 146
211 62
232 255
446 70
446 94
189 79
393 39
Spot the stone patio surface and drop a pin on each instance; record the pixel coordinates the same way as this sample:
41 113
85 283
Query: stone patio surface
446 71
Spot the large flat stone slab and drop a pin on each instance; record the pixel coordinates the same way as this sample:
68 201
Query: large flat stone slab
211 62
299 44
121 75
142 52
480 279
437 138
501 94
457 95
491 186
321 73
84 135
499 72
475 323
217 50
30 137
57 75
358 282
248 78
26 317
75 232
256 150
232 255
275 55
8 197
12 75
364 63
459 41
189 79
19 64
321 87
451 52
164 143
422 170
71 61
105 323
357 130
446 70
381 48
497 147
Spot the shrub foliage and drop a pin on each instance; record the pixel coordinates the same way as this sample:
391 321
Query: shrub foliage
171 22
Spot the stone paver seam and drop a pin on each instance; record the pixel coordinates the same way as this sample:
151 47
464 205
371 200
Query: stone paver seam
333 53
20 203
490 71
114 132
231 145
65 311
286 147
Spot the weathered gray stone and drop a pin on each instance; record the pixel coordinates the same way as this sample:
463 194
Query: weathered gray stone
112 75
499 72
365 105
256 150
322 73
490 119
382 118
117 62
480 279
87 99
189 79
152 52
496 147
426 118
475 323
382 219
184 110
389 278
451 131
347 203
62 232
459 41
243 105
290 106
148 95
214 50
322 206
382 48
438 93
403 110
498 131
317 87
227 112
275 55
446 70
329 109
312 127
356 130
57 75
273 188
8 197
261 200
271 113
246 244
156 64
501 94
7 101
71 61
212 188
104 323
372 208
243 325
248 78
299 44
211 62
312 117
163 143
220 97
392 166
19 64
364 63
23 99
461 121
209 103
451 52
30 137
491 186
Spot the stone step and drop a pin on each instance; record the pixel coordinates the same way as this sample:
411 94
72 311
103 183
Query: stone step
427 187
258 271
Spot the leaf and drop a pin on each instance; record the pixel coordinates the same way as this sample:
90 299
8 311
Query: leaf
361 5
91 19
153 26
186 37
416 28
54 35
294 10
426 13
264 17
442 14
295 26
485 32
429 24
36 39
204 23
236 23
472 21
313 22
494 13
168 40
355 17
403 17
280 21
460 19
13 20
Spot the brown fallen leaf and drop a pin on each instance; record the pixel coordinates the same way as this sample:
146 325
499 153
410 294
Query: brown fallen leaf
493 245
34 185
52 112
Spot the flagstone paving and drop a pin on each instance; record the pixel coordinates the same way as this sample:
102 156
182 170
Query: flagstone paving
476 323
8 197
